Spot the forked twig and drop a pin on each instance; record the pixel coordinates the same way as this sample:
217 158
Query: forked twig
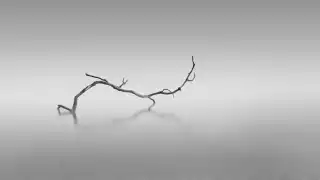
121 89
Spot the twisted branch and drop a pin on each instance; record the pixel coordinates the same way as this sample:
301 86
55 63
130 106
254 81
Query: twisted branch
121 89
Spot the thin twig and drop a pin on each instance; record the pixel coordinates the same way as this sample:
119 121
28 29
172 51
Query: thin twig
119 88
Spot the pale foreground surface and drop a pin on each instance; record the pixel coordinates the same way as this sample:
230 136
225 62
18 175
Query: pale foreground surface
274 139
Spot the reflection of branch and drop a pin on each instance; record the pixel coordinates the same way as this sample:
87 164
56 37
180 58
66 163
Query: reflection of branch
136 115
119 88
139 113
74 115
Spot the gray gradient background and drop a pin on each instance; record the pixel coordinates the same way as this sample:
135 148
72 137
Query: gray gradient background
251 113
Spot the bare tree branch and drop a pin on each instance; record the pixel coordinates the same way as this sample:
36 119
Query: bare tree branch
119 88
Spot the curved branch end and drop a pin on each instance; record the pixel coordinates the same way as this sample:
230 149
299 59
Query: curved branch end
194 76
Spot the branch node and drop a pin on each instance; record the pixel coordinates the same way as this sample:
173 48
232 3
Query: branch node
169 92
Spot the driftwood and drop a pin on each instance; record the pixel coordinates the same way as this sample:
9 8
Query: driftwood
121 89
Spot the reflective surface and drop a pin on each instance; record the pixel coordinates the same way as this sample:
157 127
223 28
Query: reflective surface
257 141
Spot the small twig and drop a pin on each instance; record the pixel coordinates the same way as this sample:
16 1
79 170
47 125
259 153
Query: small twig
124 82
119 88
96 77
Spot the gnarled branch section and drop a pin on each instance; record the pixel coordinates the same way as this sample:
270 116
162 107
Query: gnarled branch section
121 89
